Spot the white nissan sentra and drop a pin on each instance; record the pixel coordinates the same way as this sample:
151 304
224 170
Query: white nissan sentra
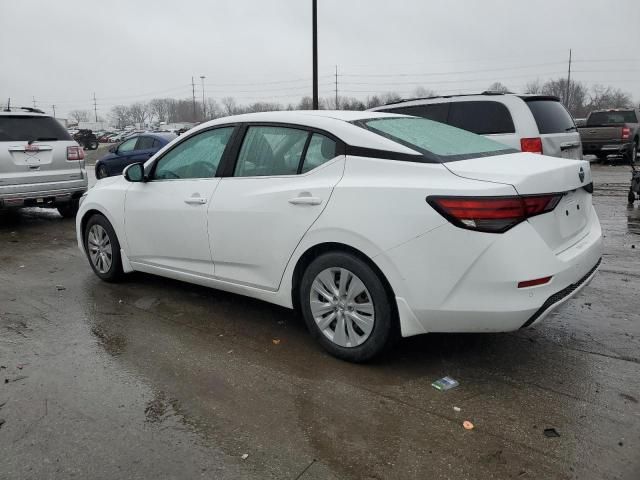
373 225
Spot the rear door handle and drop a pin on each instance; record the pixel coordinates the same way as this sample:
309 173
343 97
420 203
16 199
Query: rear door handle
304 200
195 200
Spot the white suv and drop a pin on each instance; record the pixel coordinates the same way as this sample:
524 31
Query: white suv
40 164
530 123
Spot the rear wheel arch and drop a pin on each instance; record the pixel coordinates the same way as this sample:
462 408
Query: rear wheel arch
315 251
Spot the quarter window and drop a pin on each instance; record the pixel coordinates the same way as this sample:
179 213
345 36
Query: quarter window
482 117
196 157
320 150
437 112
268 151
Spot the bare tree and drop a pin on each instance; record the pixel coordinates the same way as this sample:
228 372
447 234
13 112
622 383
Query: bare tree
306 103
159 108
498 87
421 92
372 102
230 106
140 112
79 115
213 109
575 103
120 116
602 97
390 97
534 86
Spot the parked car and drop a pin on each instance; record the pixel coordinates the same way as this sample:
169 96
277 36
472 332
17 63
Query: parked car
369 223
138 148
87 139
529 123
614 131
580 122
40 164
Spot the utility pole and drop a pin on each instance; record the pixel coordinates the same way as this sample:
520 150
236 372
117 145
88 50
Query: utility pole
193 92
566 97
95 107
54 110
8 105
315 53
337 107
34 102
204 108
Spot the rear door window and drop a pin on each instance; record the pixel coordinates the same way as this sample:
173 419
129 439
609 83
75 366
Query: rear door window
24 128
437 112
551 116
481 117
144 143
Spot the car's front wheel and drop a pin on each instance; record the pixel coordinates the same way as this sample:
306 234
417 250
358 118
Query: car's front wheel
101 172
69 209
103 249
346 306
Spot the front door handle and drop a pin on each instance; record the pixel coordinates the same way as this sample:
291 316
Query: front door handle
195 200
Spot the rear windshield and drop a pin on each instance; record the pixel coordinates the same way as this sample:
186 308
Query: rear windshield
25 128
436 141
608 118
551 116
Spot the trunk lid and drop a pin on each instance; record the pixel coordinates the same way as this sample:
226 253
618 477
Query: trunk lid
532 174
599 134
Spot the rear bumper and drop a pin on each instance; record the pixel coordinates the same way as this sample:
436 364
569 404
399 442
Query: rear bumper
610 148
41 194
475 289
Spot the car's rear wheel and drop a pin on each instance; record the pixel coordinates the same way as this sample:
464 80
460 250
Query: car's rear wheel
101 172
602 157
103 249
346 306
633 154
69 209
93 145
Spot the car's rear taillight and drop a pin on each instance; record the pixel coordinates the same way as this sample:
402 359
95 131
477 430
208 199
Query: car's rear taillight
626 133
492 214
532 145
75 153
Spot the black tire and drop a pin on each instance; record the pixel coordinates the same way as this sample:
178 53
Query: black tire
602 157
69 209
101 172
94 145
631 197
114 273
384 328
633 154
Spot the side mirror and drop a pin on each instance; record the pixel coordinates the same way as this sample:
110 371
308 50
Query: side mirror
134 173
113 149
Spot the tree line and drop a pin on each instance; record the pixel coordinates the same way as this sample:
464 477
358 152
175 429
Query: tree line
579 99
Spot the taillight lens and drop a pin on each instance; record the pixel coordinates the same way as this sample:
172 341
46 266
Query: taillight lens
531 145
626 133
75 153
492 214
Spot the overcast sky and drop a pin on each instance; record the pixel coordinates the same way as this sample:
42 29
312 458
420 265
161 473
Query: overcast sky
60 52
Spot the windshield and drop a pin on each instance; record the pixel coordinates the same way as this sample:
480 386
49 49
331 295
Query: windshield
435 140
607 118
25 128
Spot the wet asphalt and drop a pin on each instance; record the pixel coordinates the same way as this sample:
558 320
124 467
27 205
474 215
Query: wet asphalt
154 378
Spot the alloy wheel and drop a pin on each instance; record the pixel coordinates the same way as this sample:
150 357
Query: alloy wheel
100 250
342 307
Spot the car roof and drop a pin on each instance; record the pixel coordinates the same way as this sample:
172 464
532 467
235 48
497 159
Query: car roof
23 113
471 96
335 122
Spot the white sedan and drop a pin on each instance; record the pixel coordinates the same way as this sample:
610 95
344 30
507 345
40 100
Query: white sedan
373 225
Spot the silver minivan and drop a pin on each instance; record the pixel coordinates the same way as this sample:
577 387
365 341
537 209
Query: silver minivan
40 164
530 123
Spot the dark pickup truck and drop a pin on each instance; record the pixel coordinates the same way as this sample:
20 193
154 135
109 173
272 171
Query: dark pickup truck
611 132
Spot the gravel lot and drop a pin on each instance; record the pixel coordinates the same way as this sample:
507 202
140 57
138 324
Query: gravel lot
154 378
